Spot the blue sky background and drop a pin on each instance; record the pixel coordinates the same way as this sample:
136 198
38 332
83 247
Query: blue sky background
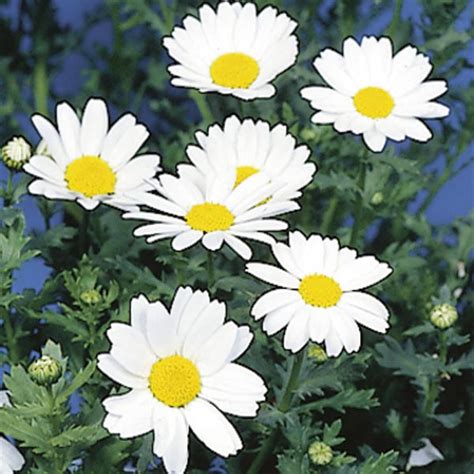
455 199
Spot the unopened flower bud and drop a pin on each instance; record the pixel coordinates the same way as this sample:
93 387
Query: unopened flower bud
320 453
16 153
45 371
91 296
316 352
308 134
377 198
443 315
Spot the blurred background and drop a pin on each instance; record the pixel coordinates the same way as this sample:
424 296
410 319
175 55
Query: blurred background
69 50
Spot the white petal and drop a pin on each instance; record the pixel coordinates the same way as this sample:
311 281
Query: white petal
212 428
297 331
110 367
346 328
10 456
273 275
333 343
279 318
374 140
95 123
186 239
273 300
69 128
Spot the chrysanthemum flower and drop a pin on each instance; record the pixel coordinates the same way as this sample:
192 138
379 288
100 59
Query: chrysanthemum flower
232 50
319 297
214 211
89 162
180 368
376 94
10 458
251 147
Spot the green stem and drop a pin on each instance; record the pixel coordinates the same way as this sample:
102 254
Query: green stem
329 216
356 226
210 269
202 105
7 200
41 85
283 406
397 10
10 336
84 234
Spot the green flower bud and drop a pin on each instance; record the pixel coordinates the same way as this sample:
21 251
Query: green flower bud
91 296
443 315
308 134
316 352
377 198
16 153
45 370
320 453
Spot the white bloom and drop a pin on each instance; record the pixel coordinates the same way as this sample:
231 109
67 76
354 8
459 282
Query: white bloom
318 298
375 93
179 365
91 163
214 212
251 147
424 456
232 50
10 458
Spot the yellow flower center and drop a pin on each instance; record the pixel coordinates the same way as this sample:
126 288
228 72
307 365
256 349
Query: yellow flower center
244 172
374 102
320 290
90 176
234 70
175 381
209 217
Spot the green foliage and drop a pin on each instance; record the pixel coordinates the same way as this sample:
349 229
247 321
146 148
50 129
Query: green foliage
371 408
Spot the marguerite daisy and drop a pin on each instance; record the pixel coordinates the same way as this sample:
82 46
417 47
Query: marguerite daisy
89 163
10 458
251 147
319 297
232 50
214 211
180 368
376 94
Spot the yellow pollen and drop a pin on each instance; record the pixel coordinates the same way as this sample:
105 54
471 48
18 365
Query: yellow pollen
209 217
320 290
244 172
175 381
90 176
374 102
234 70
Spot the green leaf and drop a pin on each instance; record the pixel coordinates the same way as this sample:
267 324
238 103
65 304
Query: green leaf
78 381
82 435
449 420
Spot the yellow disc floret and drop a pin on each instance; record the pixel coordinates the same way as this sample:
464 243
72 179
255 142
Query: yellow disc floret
234 70
244 172
320 290
209 217
90 176
374 102
175 381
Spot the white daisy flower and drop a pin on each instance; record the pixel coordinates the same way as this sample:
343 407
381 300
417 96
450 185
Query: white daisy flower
251 147
10 458
319 297
232 50
89 162
216 212
180 368
376 94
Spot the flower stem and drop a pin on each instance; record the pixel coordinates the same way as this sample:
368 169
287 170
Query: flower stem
358 207
41 85
329 216
13 355
283 406
210 269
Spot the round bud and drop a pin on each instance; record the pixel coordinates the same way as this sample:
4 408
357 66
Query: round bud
91 297
16 153
45 371
320 453
377 198
316 352
443 315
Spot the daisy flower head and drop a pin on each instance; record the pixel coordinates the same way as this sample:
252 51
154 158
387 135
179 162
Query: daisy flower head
375 93
213 212
319 297
89 162
232 50
251 147
179 366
